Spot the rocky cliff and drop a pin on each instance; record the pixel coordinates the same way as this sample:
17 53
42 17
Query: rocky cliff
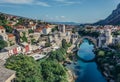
113 19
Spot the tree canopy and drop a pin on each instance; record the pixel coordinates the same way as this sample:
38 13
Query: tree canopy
30 31
29 70
3 44
83 32
8 29
58 55
55 29
24 38
101 53
3 21
48 44
52 71
64 44
115 46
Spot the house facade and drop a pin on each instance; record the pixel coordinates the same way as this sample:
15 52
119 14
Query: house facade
3 35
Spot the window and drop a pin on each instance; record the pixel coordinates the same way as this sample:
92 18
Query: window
2 31
13 80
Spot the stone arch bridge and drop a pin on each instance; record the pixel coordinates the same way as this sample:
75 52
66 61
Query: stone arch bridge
79 40
92 39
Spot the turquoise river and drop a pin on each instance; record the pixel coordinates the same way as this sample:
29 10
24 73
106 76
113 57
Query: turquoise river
87 72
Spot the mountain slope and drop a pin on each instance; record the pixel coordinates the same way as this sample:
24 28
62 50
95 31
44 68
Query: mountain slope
113 19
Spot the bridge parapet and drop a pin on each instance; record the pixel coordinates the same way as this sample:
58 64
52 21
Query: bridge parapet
87 37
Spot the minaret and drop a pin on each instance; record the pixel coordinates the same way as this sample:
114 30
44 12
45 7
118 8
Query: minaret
108 36
61 28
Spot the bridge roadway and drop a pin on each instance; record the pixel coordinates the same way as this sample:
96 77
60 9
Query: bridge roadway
86 37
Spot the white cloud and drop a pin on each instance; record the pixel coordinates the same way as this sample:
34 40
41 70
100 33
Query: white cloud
60 0
67 2
28 2
55 18
17 1
42 4
12 6
62 17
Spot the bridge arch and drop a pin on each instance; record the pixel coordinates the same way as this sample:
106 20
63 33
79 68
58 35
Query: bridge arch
92 39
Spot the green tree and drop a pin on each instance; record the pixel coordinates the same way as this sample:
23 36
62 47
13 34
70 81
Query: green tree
118 78
52 71
3 44
47 44
55 29
3 21
64 44
20 21
32 41
73 30
27 69
2 17
84 32
58 55
24 38
8 29
118 46
115 46
101 53
117 68
30 31
116 33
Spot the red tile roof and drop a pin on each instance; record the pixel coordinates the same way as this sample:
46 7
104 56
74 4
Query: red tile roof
1 27
9 24
32 24
47 26
10 35
19 27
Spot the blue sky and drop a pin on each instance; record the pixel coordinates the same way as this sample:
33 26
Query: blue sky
81 11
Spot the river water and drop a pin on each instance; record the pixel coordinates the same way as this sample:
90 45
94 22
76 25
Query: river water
87 72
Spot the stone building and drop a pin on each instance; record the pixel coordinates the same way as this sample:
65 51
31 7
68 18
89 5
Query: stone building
3 35
6 75
11 39
105 38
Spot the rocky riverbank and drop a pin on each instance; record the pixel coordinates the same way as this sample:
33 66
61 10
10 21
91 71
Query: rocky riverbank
71 75
70 63
109 64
